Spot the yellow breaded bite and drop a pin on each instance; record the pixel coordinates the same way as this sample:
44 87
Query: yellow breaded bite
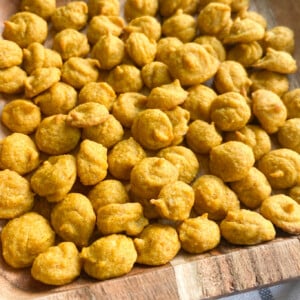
104 7
12 80
289 134
10 54
43 8
169 7
166 46
291 101
294 193
137 8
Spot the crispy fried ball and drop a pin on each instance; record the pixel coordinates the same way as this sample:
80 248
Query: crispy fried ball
25 28
169 7
18 153
121 217
16 197
21 116
269 110
283 212
294 193
123 157
246 227
198 235
237 5
137 8
91 162
281 167
166 46
291 101
213 197
231 161
74 219
12 80
289 134
175 201
10 54
55 177
157 245
109 257
43 8
58 265
24 238
244 13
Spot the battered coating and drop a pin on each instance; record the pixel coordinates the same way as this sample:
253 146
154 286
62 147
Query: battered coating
43 8
24 238
291 101
10 54
289 134
238 5
169 7
12 80
246 227
294 193
166 46
109 257
104 7
58 265
16 197
137 8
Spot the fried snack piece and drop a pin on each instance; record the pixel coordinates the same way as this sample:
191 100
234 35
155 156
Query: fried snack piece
166 46
109 257
78 71
18 153
43 8
231 161
202 137
281 167
213 197
252 189
181 26
21 116
107 192
246 227
137 8
230 111
294 193
283 212
121 217
72 15
183 159
70 42
40 80
74 219
16 197
125 78
123 157
253 136
152 129
55 136
198 235
10 54
244 13
149 175
169 7
107 133
237 5
291 100
192 64
175 201
55 177
272 81
103 7
289 134
269 110
99 92
24 238
25 28
167 97
157 245
12 80
60 98
58 265
91 162
109 51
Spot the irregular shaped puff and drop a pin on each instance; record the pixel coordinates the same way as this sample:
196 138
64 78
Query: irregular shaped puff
246 227
166 46
24 238
137 8
12 80
253 15
58 265
213 197
103 7
74 219
169 7
198 235
289 134
16 197
109 257
11 54
291 101
294 193
283 212
43 8
157 245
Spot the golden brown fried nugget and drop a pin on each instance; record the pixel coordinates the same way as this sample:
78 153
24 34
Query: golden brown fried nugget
109 257
43 8
91 162
237 5
21 116
137 8
283 212
169 7
291 101
244 13
74 219
16 197
231 161
55 177
19 153
12 80
157 245
25 28
294 193
166 46
198 235
246 227
104 7
10 54
24 238
55 136
58 265
289 134
281 167
121 217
